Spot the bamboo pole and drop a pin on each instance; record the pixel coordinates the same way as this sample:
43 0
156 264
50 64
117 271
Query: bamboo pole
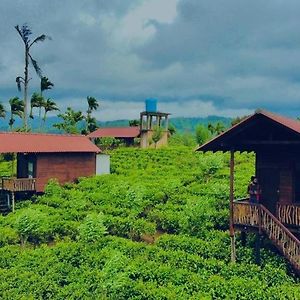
231 198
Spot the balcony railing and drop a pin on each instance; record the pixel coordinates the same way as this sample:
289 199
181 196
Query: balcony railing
18 184
256 215
289 214
245 213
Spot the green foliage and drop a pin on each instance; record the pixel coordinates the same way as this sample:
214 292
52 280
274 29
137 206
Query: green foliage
70 121
202 134
107 143
156 228
92 228
157 134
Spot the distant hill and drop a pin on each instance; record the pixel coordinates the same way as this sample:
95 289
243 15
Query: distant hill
181 124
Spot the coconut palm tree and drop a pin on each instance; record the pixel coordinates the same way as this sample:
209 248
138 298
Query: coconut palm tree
25 33
89 121
49 105
46 84
16 109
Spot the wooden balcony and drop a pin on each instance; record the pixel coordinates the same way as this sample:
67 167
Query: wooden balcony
260 218
18 184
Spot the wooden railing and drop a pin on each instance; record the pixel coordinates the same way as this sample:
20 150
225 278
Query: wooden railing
289 214
285 241
18 184
256 215
245 213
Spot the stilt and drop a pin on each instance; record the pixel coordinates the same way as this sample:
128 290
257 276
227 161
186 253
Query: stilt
231 198
243 238
257 248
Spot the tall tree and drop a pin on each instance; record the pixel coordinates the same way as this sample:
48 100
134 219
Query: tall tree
70 120
46 84
16 109
25 33
90 123
49 105
38 101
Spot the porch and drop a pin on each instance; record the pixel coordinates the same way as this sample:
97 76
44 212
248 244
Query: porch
18 184
247 214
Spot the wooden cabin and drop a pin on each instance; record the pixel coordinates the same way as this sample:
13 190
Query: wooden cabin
41 157
124 134
276 142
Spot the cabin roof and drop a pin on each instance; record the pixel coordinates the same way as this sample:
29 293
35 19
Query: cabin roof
20 142
116 132
258 131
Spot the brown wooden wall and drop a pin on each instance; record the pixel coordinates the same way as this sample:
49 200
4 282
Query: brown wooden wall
278 174
65 167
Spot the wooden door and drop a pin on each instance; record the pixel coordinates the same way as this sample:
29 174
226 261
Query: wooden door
286 186
269 182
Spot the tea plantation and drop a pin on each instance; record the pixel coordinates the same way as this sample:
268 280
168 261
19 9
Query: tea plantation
156 228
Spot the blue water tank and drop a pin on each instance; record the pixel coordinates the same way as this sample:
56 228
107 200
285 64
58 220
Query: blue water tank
151 105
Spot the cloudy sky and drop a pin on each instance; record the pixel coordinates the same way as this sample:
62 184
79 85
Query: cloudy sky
198 57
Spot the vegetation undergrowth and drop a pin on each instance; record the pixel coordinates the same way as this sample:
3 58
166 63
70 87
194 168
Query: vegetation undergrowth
156 228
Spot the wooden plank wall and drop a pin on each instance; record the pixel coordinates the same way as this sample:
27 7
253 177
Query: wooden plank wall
65 167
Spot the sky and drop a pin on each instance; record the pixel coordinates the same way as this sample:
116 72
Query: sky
197 57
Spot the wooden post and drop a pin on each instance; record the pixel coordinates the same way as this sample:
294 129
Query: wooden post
13 201
243 238
257 248
231 198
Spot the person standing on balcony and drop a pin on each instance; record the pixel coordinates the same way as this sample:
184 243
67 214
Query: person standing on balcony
254 190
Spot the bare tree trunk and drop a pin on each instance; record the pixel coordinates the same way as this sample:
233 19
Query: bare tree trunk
25 88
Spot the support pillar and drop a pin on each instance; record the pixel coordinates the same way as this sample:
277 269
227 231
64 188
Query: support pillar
13 201
243 238
257 248
231 198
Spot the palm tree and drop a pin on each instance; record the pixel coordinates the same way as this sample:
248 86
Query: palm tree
25 34
89 121
49 105
2 111
46 84
16 108
38 101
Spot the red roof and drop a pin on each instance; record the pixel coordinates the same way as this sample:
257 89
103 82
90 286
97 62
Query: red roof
217 142
19 142
116 132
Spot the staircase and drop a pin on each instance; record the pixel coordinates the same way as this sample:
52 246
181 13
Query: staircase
258 216
281 237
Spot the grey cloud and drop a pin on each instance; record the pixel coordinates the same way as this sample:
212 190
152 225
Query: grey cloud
234 54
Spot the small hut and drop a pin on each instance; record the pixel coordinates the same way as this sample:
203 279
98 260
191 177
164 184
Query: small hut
276 142
41 157
124 134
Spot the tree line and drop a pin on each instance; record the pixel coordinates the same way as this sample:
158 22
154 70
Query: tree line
19 107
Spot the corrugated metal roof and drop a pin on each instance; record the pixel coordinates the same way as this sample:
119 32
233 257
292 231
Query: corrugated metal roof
116 132
19 142
291 124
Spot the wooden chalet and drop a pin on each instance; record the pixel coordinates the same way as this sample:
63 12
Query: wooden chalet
41 157
276 142
125 134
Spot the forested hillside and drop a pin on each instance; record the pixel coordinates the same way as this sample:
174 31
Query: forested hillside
156 228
